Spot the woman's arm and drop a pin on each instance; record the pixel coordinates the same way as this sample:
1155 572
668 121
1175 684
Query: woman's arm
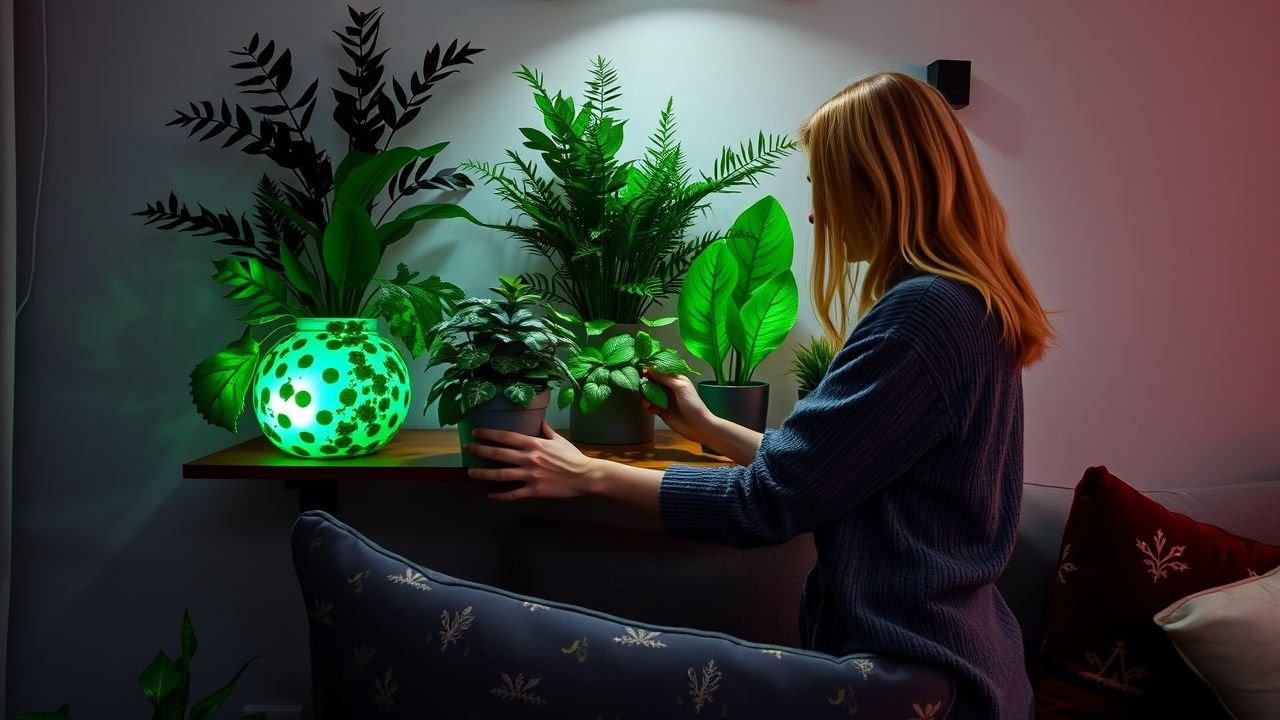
551 467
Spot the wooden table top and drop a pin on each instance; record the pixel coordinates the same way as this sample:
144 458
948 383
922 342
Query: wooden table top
415 454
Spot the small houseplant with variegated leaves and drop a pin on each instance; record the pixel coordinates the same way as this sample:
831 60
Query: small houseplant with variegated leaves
503 359
166 683
738 303
308 260
811 362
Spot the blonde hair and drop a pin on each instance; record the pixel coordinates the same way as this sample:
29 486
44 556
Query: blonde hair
896 183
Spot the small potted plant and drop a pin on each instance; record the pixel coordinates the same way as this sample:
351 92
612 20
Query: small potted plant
738 303
811 362
502 358
612 382
307 261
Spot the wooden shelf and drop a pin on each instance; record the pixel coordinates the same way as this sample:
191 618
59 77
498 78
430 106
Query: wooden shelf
414 455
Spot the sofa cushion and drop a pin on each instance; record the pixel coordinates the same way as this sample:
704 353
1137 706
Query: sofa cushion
1123 558
1230 636
391 639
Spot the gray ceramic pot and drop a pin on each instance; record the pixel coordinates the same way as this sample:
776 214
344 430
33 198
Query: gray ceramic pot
746 405
621 420
502 414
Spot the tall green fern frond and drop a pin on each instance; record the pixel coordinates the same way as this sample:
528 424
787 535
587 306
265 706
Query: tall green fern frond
603 87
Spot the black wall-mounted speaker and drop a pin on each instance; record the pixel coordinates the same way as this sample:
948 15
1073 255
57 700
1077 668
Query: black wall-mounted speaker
951 78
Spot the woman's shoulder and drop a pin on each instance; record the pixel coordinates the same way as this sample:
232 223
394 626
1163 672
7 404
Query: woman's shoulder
928 305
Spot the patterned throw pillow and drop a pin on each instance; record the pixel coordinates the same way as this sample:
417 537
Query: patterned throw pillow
391 640
1124 558
1230 636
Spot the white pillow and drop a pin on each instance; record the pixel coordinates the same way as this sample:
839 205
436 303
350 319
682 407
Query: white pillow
1230 635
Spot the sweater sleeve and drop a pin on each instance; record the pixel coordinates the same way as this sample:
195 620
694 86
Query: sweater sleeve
875 414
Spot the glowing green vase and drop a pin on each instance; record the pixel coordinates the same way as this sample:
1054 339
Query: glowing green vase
333 388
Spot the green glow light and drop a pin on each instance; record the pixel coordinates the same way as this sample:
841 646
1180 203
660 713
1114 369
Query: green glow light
333 388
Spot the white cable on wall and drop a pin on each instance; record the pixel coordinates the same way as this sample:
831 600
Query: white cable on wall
44 138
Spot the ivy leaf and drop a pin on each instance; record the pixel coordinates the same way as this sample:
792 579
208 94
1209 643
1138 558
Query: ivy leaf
255 285
477 392
599 376
519 393
619 350
655 394
627 378
593 396
220 382
414 309
669 362
472 359
579 367
506 364
566 396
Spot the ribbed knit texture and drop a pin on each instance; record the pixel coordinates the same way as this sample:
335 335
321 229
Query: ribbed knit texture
906 465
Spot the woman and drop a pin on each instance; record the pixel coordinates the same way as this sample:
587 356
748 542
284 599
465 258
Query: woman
906 462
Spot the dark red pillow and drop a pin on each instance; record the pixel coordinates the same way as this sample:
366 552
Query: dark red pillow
1123 558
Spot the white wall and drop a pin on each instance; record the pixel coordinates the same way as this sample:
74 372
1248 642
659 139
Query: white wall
1134 145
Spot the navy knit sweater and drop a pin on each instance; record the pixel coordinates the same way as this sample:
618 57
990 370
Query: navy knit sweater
906 465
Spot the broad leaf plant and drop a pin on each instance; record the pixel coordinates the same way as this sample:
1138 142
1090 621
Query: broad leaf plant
317 234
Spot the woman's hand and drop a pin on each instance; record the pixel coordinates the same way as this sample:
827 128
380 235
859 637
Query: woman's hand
685 412
549 466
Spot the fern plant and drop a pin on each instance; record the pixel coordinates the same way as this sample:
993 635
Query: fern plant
617 232
317 235
811 362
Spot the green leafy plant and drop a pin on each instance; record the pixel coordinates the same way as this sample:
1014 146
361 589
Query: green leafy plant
317 235
739 299
811 362
166 683
617 232
497 348
619 364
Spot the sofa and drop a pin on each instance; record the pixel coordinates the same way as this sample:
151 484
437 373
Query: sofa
772 680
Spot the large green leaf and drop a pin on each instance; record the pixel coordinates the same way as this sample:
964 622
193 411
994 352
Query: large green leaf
593 396
477 392
761 241
208 707
619 350
353 160
260 288
655 394
364 181
705 301
519 393
351 249
764 321
394 230
303 281
669 362
160 680
626 378
566 396
219 382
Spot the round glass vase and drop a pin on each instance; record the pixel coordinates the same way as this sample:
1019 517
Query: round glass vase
332 388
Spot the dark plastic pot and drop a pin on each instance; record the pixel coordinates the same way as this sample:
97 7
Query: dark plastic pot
502 414
621 420
746 405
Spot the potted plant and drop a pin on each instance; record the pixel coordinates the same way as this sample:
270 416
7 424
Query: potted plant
612 380
811 362
737 304
617 232
502 359
307 262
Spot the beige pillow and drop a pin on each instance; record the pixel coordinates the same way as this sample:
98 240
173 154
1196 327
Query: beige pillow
1230 635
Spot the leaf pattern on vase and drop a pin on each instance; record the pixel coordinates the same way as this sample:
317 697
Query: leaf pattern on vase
320 612
316 542
1158 562
534 607
1252 574
703 688
640 638
929 711
385 688
453 628
518 689
412 578
357 581
864 665
775 653
845 698
1065 567
577 648
1115 672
